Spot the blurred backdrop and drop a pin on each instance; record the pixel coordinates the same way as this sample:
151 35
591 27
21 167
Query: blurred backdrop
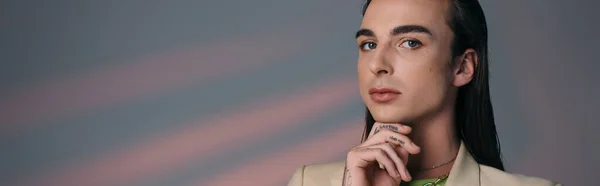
216 93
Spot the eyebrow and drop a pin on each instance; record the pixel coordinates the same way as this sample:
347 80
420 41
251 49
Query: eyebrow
410 28
396 31
365 32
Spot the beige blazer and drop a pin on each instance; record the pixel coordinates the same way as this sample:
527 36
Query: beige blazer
465 172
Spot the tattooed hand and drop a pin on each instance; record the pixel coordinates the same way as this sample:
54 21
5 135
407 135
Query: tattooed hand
381 159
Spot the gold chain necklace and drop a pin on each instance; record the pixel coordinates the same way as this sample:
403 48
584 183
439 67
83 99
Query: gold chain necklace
437 166
440 178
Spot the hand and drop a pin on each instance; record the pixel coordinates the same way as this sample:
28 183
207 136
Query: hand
381 159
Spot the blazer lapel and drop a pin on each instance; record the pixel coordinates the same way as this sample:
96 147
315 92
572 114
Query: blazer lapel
465 171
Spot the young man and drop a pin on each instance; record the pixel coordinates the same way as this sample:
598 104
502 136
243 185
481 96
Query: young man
423 75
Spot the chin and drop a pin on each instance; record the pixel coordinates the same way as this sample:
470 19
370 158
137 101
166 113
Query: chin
388 115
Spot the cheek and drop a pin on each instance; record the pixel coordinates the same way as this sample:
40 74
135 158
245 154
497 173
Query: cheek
428 86
430 89
362 70
364 78
426 80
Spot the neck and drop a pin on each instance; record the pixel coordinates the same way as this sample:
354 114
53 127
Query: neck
437 138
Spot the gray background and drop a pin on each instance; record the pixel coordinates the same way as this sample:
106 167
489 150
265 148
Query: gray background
201 92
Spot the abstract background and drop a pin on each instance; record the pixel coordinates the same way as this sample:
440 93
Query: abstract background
216 93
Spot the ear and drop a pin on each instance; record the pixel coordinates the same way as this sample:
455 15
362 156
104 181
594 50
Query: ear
464 67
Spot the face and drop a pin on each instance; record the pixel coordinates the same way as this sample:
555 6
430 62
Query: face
404 64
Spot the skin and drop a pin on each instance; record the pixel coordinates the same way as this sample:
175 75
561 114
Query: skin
406 45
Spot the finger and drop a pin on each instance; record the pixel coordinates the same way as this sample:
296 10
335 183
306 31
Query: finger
394 138
397 127
403 154
384 159
403 141
379 127
372 154
395 157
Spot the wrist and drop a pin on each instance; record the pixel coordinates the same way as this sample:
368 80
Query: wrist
355 176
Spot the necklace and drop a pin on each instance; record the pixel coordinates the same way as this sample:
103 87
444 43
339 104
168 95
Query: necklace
436 166
438 180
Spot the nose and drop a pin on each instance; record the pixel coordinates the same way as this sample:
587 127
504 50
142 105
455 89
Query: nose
381 64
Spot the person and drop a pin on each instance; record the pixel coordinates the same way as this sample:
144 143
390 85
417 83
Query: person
423 76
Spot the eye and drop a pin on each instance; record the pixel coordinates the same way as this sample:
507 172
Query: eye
411 44
367 46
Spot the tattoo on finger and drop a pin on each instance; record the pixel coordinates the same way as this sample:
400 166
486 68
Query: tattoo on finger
397 140
391 127
376 130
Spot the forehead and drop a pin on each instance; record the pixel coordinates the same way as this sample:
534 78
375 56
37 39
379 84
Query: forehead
383 15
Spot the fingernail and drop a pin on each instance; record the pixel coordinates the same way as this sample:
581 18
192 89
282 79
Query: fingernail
407 173
413 144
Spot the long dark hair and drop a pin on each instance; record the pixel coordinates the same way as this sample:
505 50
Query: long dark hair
474 117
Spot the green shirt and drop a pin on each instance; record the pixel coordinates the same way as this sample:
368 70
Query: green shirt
423 182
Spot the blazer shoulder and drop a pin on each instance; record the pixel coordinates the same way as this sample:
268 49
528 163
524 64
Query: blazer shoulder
493 176
325 167
317 174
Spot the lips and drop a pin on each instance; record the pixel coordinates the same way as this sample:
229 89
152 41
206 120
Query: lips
383 94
